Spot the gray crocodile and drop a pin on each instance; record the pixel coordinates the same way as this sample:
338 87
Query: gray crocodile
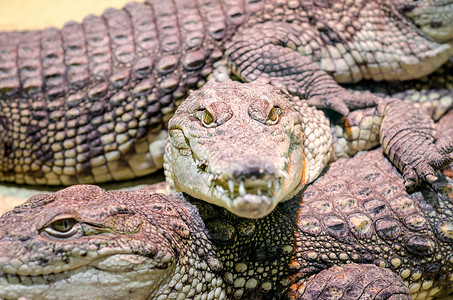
249 146
88 103
355 233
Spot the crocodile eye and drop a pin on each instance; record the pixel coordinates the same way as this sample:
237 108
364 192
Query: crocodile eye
207 118
63 225
62 228
272 116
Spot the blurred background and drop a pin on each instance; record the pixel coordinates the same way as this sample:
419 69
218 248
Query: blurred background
38 14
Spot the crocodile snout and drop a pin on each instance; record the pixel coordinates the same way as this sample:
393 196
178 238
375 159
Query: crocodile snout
252 206
253 168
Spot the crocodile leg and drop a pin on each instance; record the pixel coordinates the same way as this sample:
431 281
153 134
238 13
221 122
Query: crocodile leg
411 145
351 282
265 51
407 136
432 94
445 126
445 130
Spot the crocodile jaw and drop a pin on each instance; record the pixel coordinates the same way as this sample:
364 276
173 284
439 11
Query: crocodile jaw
434 18
247 198
213 183
103 278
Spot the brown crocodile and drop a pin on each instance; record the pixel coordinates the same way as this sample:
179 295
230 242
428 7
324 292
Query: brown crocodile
249 146
88 103
355 233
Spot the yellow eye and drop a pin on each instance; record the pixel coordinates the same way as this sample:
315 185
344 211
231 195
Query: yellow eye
207 118
273 115
63 228
63 225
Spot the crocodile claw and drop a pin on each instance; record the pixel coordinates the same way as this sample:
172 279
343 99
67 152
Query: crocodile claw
343 101
432 158
334 103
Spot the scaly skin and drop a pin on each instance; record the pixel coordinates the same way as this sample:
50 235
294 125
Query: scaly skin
355 233
85 243
248 146
433 94
89 103
444 127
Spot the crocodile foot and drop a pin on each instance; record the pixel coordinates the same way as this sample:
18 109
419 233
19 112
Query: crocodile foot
343 101
428 158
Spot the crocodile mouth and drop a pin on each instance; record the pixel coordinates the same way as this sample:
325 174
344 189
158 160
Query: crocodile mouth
64 273
11 278
249 197
95 276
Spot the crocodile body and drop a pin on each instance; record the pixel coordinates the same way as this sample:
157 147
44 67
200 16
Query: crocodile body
249 146
88 103
355 233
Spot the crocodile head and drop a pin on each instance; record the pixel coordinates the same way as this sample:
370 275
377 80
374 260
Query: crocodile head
85 243
239 146
433 17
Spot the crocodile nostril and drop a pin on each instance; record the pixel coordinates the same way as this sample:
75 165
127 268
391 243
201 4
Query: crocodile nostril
203 167
254 168
435 24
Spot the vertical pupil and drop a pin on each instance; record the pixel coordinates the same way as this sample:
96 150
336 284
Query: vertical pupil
63 225
272 114
207 117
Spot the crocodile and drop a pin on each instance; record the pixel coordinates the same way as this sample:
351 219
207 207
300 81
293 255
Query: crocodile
444 126
433 94
355 233
249 146
89 103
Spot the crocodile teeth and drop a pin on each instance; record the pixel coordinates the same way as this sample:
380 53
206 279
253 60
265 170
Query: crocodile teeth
25 279
231 186
13 279
258 191
276 185
241 188
284 174
269 184
211 177
38 279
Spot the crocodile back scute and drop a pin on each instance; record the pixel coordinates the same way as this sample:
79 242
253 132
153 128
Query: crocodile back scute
360 212
83 103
